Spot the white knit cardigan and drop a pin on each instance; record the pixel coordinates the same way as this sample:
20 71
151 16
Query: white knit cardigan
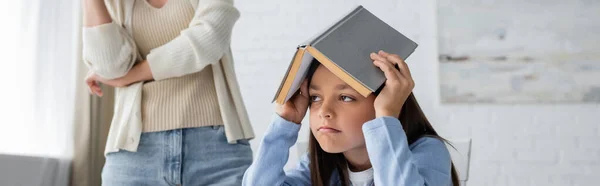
110 52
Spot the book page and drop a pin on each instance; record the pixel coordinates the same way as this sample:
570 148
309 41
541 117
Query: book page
302 71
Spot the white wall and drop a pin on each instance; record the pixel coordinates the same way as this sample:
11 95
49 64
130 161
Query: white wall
512 144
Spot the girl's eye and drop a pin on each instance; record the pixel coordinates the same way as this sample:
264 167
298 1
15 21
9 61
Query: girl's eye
346 98
315 98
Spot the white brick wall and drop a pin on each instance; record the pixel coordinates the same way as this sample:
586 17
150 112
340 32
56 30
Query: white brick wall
550 145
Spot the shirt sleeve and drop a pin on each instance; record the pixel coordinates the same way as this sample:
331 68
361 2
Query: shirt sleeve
425 162
272 156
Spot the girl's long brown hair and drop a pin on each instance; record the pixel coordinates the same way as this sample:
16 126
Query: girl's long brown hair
323 164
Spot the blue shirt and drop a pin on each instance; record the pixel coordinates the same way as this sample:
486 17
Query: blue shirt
424 162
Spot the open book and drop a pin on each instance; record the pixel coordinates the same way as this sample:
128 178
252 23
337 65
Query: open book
344 49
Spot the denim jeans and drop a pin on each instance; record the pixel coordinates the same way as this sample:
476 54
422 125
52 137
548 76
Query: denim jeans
191 156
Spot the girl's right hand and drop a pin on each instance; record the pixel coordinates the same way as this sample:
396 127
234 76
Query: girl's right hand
295 108
398 84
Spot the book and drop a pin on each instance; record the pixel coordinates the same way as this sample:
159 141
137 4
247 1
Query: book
344 48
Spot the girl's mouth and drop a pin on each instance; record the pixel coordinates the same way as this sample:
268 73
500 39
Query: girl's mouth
328 130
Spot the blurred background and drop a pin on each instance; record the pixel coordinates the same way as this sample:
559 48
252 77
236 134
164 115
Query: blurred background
515 85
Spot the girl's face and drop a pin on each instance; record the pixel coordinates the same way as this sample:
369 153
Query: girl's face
337 112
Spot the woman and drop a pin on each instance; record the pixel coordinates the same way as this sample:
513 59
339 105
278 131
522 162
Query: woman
179 117
383 139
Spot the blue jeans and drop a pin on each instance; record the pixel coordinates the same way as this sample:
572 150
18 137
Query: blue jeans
192 156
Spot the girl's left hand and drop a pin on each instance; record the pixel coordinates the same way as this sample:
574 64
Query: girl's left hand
398 86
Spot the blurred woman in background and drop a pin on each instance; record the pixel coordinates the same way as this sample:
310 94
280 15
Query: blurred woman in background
179 117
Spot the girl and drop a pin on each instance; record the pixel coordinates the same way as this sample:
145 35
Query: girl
179 118
383 139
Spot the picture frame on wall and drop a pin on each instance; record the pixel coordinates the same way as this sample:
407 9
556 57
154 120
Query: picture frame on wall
515 51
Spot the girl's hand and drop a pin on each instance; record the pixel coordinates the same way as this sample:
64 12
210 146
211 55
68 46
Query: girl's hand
295 108
398 86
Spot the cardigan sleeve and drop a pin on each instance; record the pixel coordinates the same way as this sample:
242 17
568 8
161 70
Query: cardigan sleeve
108 50
204 42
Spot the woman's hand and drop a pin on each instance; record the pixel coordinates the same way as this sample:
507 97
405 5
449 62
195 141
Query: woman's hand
295 108
398 86
140 72
93 81
93 84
